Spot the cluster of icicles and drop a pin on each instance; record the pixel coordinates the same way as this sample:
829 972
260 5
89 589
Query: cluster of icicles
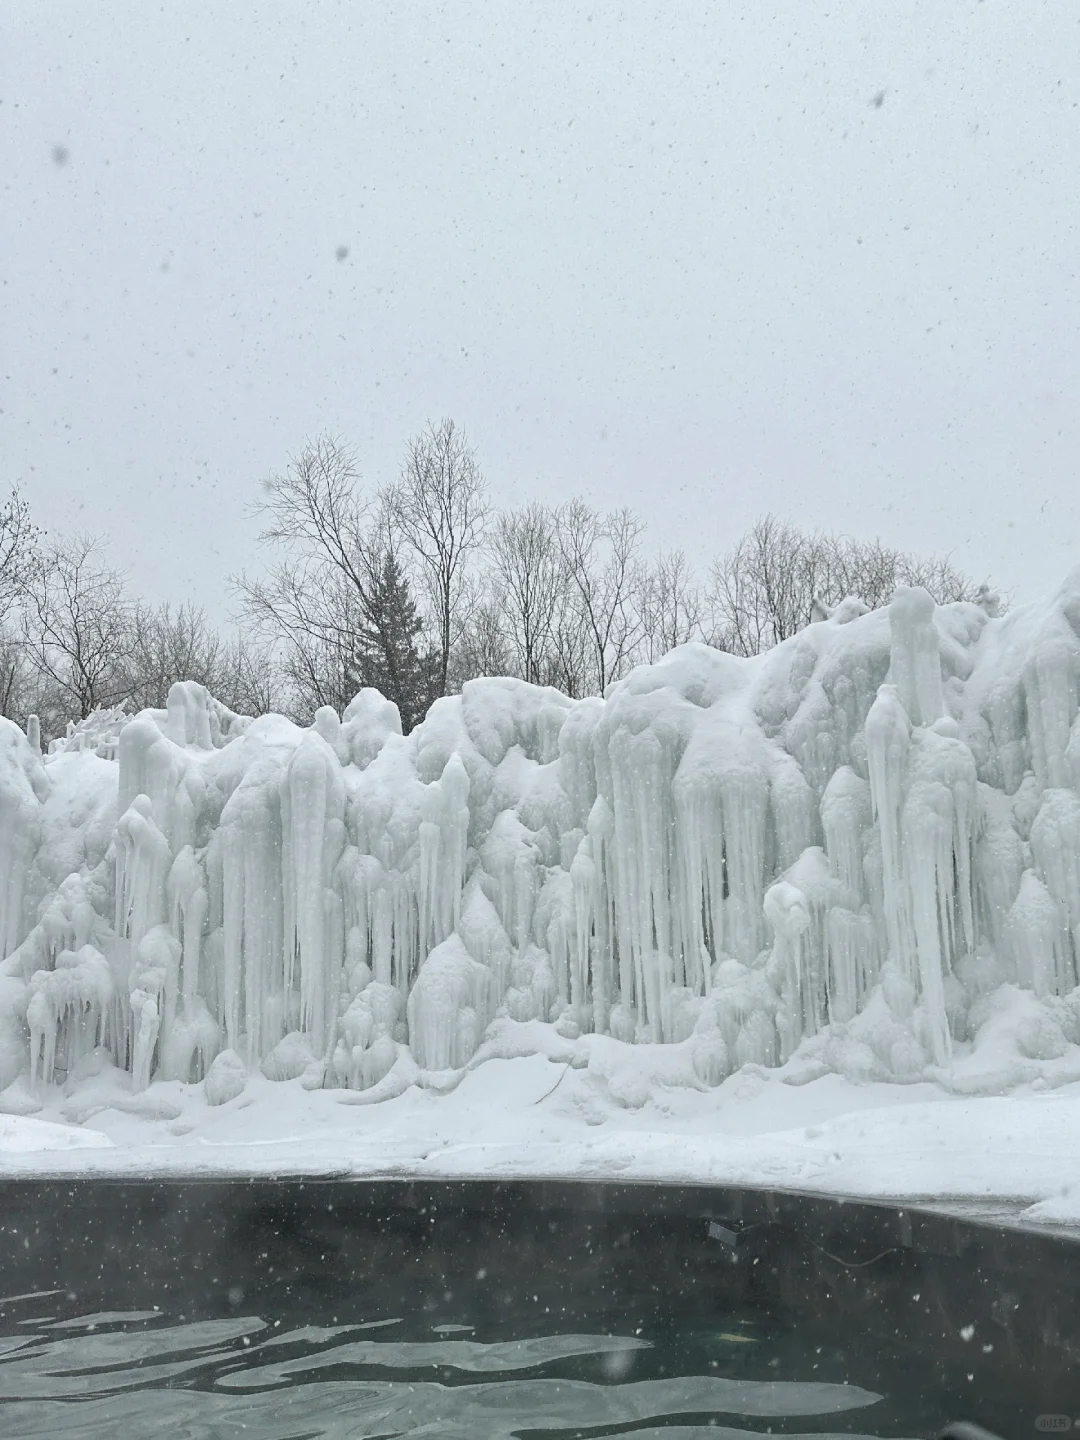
877 821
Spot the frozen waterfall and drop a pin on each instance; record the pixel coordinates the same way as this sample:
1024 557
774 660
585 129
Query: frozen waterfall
859 835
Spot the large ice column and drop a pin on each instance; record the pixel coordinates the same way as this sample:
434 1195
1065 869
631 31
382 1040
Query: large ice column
820 984
187 715
484 937
846 816
444 833
67 1011
593 876
313 831
744 798
701 872
577 757
554 922
638 803
252 989
367 1049
188 901
154 989
1055 848
937 830
998 861
23 786
449 1007
789 915
1051 687
852 944
727 837
69 997
916 655
583 881
511 856
368 722
922 784
143 860
1036 939
888 738
157 767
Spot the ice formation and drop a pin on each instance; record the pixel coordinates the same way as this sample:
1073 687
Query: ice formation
858 836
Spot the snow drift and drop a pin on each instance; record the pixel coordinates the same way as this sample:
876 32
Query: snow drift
860 840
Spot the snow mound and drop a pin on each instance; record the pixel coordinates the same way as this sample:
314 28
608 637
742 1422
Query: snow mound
859 851
22 1134
226 1078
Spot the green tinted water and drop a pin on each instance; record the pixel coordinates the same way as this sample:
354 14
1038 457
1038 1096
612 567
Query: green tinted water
471 1366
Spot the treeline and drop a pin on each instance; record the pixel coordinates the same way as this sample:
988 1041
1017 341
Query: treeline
413 587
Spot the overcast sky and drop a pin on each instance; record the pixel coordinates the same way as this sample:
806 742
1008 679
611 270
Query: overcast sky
812 256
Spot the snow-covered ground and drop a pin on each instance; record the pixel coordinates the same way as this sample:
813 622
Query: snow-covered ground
1017 1155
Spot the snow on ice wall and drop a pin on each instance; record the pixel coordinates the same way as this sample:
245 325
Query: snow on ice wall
860 835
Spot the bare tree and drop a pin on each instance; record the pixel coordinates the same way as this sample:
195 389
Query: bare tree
483 648
76 618
440 507
872 571
168 644
322 603
20 542
531 581
671 605
600 554
777 577
248 679
568 662
17 693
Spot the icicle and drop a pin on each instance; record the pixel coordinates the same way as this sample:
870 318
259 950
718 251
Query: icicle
142 862
188 905
789 915
583 879
1036 935
916 655
846 814
937 837
999 862
1051 685
1055 847
66 1011
313 802
448 1007
853 968
888 736
23 786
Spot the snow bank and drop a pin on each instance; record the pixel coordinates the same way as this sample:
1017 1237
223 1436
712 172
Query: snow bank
860 850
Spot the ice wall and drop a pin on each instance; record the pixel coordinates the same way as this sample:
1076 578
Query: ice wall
860 834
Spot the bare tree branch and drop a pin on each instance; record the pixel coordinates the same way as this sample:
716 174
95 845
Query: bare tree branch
775 578
440 506
76 623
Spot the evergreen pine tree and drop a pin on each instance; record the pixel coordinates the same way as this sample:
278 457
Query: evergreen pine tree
386 654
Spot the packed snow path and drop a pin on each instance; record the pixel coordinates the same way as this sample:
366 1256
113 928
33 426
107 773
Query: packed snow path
858 852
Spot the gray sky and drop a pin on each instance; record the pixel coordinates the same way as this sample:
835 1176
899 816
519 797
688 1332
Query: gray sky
703 259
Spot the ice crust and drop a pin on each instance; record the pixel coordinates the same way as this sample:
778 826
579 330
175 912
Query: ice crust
846 847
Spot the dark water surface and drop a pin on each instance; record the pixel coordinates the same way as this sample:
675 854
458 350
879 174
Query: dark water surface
543 1312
